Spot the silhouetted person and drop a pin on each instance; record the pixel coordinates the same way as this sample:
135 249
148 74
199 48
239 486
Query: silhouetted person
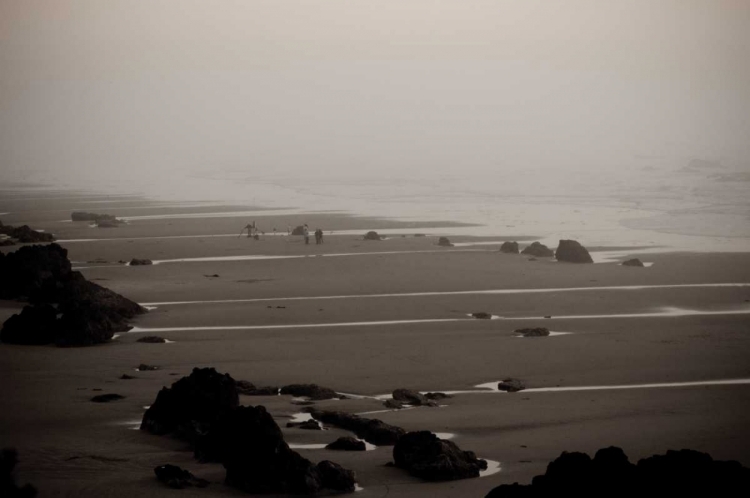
306 233
318 236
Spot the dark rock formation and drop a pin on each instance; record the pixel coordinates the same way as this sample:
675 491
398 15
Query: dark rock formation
436 396
106 398
97 218
570 251
25 234
347 444
539 250
30 268
312 391
177 478
334 476
609 473
309 425
147 368
192 405
444 242
298 230
511 385
509 247
35 325
413 398
108 223
533 332
392 404
127 377
482 315
140 262
424 455
7 242
249 389
633 262
152 339
373 431
8 487
372 236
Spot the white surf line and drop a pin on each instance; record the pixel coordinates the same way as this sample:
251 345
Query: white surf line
726 382
144 330
456 293
664 312
217 214
258 257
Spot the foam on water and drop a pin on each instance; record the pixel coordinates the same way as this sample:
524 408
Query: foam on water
459 293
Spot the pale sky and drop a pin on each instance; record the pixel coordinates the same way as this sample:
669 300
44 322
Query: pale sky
292 87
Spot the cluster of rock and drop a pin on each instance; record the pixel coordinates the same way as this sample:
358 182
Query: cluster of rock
571 251
405 397
426 456
509 248
23 234
444 242
373 431
65 308
538 250
101 220
372 236
204 410
8 486
677 473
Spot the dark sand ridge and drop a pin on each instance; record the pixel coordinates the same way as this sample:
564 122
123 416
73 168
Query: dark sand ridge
57 430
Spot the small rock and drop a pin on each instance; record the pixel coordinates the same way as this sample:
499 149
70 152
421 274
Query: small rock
127 377
509 248
147 368
482 315
177 478
308 425
633 262
539 250
392 404
372 236
140 262
444 242
347 444
533 332
106 398
152 339
511 385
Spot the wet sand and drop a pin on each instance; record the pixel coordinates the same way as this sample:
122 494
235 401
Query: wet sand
623 331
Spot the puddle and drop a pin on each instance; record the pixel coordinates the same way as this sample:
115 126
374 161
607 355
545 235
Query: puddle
460 293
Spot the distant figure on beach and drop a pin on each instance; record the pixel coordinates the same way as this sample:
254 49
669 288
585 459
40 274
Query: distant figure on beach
289 229
251 230
318 236
306 233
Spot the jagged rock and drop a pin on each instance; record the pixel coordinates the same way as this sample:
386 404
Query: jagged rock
444 242
27 270
424 455
312 391
413 398
178 478
481 315
372 236
533 332
609 473
152 339
373 431
8 487
347 444
140 262
248 389
192 404
633 262
539 250
509 247
334 476
511 385
309 425
106 398
147 368
26 234
570 251
35 325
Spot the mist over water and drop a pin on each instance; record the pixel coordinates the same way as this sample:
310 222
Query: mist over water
613 123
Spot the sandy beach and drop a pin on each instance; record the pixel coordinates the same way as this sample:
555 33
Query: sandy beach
650 359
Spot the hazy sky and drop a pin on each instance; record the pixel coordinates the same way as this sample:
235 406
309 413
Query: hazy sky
89 88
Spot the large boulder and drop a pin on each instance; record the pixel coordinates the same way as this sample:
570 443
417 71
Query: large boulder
509 247
35 325
511 385
539 250
312 391
373 431
678 473
444 242
192 405
424 455
27 270
571 251
372 236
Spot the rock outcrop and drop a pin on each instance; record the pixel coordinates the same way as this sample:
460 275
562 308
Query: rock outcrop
298 230
372 236
533 332
444 242
347 444
373 431
482 315
178 478
413 398
509 248
633 262
312 391
192 405
539 250
610 473
511 385
25 235
140 262
571 251
426 456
